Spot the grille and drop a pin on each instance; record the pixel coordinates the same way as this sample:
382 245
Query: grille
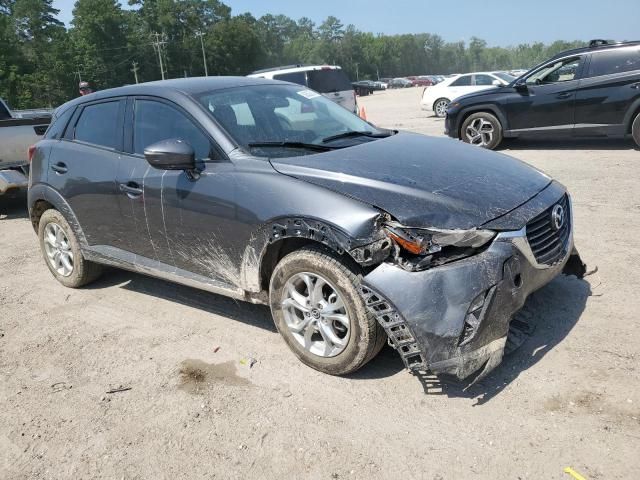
547 244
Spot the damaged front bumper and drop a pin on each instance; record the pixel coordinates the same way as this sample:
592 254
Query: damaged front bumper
454 319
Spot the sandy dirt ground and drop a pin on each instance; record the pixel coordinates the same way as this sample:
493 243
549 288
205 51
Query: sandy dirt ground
570 397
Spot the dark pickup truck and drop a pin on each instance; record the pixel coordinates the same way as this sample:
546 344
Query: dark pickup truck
18 131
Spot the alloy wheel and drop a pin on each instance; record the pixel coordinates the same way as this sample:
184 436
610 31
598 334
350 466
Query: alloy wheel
441 108
480 132
315 314
58 249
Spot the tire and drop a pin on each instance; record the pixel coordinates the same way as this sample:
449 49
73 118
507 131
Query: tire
360 335
440 107
635 130
482 129
57 240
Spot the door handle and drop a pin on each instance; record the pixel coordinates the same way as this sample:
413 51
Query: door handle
59 167
564 95
636 86
132 189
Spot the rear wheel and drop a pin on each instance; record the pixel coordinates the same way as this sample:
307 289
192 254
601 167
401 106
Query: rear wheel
482 129
635 130
440 107
318 311
61 251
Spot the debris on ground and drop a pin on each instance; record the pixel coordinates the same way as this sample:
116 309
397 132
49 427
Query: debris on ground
119 389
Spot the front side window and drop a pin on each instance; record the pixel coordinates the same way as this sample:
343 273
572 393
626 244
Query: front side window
156 121
98 125
463 81
283 116
556 72
615 61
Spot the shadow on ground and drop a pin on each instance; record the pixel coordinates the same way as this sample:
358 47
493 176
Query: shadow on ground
554 310
250 314
14 205
568 144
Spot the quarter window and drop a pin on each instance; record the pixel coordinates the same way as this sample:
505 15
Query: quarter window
615 61
464 81
98 125
155 121
58 124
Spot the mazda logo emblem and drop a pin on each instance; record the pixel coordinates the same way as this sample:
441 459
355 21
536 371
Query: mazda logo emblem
557 217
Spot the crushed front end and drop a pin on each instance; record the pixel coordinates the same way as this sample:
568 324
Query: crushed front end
454 317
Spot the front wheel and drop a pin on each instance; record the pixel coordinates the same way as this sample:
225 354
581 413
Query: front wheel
318 311
635 130
482 129
440 107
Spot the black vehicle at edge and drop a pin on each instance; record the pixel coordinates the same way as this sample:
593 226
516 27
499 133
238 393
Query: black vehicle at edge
268 192
587 92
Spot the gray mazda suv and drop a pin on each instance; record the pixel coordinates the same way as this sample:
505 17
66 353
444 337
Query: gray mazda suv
268 192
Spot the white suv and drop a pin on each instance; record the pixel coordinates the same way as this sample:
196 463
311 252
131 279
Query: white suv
437 97
329 80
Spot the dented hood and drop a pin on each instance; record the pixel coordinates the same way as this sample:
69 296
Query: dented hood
423 181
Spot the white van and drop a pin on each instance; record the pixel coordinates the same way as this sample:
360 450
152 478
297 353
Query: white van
329 80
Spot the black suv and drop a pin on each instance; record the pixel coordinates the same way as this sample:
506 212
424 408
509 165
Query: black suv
588 92
269 192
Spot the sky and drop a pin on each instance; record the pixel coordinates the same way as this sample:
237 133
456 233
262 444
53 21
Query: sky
499 22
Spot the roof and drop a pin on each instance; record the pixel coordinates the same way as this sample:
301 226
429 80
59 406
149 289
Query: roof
294 69
596 45
189 86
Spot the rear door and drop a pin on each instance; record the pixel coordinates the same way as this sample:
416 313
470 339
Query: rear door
547 105
610 87
461 86
83 165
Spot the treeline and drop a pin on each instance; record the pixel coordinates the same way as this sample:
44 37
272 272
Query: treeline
42 61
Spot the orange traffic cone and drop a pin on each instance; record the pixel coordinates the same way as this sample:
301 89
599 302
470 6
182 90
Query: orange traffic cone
363 114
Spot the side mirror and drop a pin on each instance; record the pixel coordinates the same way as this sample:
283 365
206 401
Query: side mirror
521 86
172 154
496 83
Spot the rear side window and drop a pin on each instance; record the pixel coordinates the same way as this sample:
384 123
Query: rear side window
464 81
615 61
98 125
155 121
482 80
298 77
328 81
58 124
4 113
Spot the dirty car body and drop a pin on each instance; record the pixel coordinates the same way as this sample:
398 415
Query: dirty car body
448 240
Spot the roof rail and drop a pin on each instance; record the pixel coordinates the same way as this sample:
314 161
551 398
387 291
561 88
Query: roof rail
274 69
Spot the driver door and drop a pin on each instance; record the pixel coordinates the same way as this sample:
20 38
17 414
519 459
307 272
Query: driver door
545 104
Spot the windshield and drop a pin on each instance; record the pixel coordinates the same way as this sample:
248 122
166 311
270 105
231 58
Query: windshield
505 76
283 120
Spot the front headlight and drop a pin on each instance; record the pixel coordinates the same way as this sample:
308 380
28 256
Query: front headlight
428 246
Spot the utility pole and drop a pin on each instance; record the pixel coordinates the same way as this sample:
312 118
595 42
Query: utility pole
357 71
135 70
78 73
204 56
157 45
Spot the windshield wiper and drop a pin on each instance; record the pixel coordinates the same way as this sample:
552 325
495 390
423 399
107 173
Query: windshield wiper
307 146
356 133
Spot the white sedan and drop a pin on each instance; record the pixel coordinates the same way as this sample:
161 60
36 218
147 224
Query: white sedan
437 97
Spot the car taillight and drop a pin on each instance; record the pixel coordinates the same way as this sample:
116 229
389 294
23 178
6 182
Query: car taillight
31 152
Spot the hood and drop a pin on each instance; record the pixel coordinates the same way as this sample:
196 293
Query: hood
423 181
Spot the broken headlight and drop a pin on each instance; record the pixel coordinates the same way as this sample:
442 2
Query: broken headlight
420 248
